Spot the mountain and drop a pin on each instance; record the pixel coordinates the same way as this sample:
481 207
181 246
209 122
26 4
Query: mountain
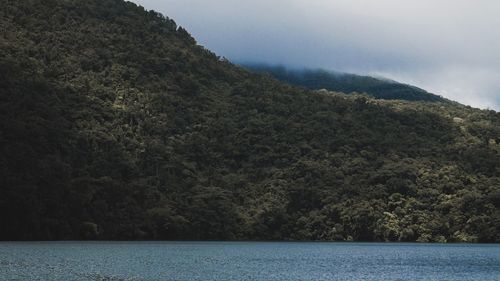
115 124
347 83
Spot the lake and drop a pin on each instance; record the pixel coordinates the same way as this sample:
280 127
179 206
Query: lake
247 261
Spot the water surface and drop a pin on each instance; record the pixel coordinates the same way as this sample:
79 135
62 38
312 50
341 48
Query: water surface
235 261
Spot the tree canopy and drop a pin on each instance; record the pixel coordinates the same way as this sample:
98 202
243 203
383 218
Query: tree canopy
115 124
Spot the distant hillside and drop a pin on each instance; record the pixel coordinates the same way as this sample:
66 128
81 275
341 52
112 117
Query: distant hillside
115 124
346 83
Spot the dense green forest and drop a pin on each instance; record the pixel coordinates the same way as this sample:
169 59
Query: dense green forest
345 82
115 124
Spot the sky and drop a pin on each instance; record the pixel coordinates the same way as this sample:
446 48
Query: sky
448 47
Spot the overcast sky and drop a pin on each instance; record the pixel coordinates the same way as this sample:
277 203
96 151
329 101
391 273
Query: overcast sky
448 47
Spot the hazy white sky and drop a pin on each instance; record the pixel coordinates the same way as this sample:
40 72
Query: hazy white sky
449 47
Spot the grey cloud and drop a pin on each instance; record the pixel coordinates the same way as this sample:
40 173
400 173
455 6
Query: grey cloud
450 47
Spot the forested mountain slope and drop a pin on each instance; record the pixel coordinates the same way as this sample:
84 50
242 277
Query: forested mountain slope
316 79
114 124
